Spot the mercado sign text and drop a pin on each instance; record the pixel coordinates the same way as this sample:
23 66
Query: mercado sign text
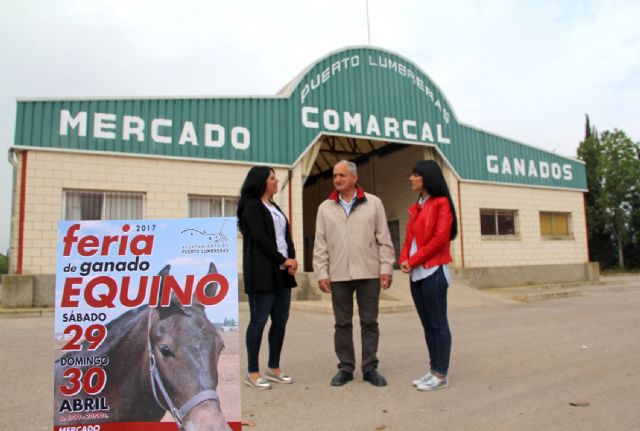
528 168
388 127
105 125
374 61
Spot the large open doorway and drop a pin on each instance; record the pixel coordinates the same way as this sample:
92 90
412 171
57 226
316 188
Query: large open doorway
383 169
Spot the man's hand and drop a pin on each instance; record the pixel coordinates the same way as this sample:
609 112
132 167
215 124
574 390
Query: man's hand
385 281
325 285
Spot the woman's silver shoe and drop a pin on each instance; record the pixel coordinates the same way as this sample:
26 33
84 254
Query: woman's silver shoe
261 383
282 378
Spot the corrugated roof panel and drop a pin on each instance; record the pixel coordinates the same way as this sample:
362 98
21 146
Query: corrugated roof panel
361 92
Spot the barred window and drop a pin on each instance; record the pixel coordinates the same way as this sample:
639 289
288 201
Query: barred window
554 224
212 206
96 205
498 222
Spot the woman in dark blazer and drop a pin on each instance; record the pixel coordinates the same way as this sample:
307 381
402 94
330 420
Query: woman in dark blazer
269 266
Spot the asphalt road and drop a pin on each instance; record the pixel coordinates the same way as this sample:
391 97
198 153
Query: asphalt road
514 366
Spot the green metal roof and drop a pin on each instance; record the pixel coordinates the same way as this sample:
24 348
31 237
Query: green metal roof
362 92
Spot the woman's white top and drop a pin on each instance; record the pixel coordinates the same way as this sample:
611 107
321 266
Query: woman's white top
280 226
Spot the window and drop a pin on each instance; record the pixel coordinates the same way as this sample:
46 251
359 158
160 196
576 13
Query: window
497 222
95 205
212 206
554 224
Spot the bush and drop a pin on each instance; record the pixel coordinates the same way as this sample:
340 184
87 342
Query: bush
4 264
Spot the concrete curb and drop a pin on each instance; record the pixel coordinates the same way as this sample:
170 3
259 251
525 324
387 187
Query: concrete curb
543 292
6 313
535 297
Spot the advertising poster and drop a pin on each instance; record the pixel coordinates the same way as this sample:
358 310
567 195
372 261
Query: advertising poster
146 326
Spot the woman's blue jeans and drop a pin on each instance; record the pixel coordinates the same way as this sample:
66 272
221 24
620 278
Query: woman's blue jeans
430 298
263 305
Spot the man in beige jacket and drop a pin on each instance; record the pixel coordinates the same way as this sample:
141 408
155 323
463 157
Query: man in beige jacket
353 252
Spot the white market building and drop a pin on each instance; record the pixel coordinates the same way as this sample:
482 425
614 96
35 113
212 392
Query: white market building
521 209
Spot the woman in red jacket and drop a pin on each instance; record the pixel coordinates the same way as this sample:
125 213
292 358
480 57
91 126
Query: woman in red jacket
425 255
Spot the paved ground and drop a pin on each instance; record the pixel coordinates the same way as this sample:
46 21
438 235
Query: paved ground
515 366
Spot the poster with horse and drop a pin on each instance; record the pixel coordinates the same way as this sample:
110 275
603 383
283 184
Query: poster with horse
146 326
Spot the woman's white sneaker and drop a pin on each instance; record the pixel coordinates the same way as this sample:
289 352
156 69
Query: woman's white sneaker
433 384
422 379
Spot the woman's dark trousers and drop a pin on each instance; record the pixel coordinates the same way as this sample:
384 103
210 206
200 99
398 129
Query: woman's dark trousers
430 299
261 306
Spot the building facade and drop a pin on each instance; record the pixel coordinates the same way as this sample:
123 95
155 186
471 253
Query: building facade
520 209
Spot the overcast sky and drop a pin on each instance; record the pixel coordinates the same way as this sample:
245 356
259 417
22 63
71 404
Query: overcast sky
527 70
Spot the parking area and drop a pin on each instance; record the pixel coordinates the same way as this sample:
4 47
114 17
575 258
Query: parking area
569 363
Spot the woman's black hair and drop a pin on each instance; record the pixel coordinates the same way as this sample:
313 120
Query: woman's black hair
434 184
253 187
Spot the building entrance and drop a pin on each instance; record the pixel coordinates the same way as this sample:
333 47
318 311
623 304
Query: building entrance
383 170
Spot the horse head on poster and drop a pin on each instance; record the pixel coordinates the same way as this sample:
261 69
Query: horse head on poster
184 348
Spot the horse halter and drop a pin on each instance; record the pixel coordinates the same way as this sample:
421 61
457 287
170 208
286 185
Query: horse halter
156 380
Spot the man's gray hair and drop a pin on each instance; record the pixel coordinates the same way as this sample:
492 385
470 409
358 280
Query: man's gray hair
352 166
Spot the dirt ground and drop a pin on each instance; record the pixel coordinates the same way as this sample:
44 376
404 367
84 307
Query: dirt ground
564 364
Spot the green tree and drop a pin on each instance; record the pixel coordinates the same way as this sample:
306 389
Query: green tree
600 245
619 172
613 200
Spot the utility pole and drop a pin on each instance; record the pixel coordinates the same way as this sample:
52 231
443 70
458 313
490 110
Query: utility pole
368 30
